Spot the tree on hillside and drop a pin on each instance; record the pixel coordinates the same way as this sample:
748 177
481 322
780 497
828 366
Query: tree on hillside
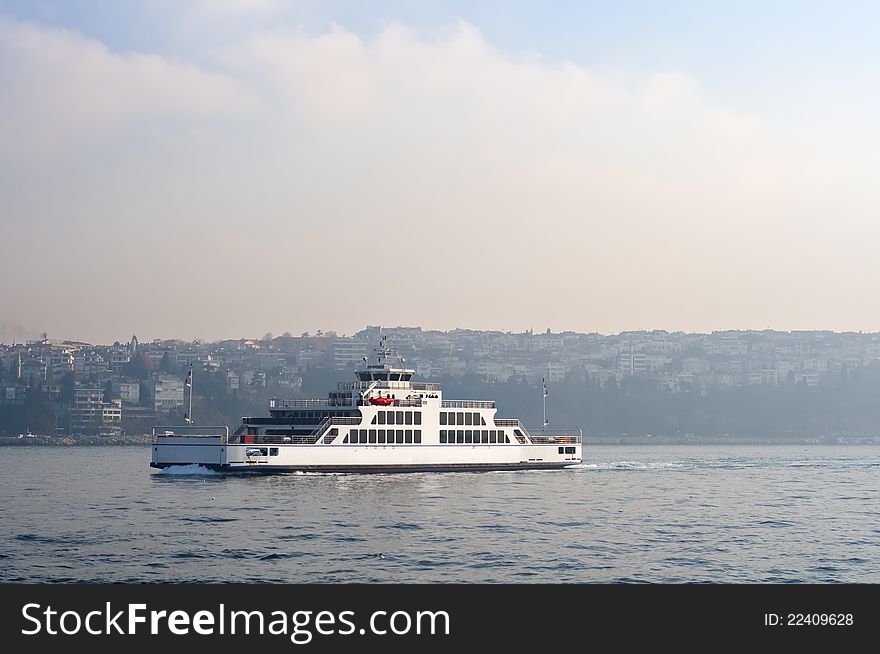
67 386
137 367
108 391
167 365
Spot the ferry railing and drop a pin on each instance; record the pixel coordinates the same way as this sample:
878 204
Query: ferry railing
517 426
319 430
330 423
557 437
275 439
313 438
543 436
505 422
191 431
275 403
467 404
389 385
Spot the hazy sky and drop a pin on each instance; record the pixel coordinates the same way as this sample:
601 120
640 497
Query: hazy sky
220 169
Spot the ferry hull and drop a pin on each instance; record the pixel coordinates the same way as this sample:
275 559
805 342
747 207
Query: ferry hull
214 454
391 468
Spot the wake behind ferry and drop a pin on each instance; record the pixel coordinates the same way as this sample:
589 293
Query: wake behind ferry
381 422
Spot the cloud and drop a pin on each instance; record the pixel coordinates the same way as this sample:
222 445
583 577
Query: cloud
488 189
448 106
227 7
62 88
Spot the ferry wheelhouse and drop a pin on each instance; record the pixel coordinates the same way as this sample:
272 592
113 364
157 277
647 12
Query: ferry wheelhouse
381 422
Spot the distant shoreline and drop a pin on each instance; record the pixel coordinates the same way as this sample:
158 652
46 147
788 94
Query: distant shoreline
73 441
620 439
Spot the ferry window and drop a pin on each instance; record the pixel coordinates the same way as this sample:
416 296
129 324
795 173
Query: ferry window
373 421
417 436
468 436
459 436
372 435
273 451
442 417
407 435
334 432
399 418
485 436
345 440
460 418
493 436
363 436
482 421
442 435
562 450
500 436
399 438
468 420
408 417
382 435
506 439
418 417
395 376
381 417
569 450
476 418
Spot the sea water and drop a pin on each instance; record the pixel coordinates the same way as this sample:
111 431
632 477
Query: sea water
689 513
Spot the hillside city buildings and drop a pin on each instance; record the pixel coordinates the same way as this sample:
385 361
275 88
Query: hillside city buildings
96 388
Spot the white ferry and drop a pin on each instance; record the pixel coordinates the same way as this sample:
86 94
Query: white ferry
382 422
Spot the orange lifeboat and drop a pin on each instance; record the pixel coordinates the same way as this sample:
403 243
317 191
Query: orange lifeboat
381 401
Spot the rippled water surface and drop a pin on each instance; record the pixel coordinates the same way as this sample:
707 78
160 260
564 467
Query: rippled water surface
628 514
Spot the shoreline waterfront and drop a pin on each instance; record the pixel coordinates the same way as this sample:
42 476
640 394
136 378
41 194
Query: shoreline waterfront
614 439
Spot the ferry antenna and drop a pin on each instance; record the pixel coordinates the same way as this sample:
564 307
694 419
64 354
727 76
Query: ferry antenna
545 393
188 419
